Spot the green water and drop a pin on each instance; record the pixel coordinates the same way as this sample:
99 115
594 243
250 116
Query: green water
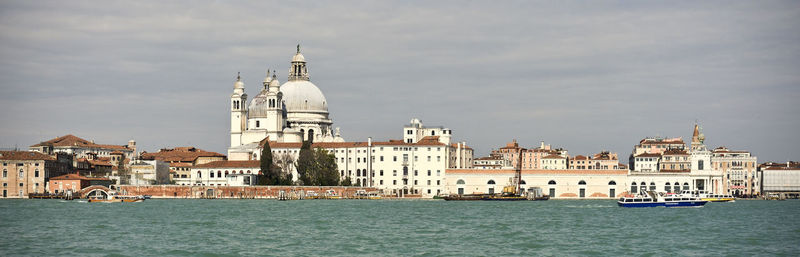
396 228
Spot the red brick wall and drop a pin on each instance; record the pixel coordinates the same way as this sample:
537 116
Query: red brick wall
173 191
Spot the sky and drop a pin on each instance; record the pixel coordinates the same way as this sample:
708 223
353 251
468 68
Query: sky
587 76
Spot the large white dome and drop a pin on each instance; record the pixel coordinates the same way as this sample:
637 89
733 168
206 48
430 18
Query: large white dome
303 96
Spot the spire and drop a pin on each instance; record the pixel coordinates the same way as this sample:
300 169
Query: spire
696 134
298 71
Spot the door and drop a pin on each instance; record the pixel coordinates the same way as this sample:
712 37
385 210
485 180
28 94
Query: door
612 193
552 192
460 191
583 192
491 190
5 193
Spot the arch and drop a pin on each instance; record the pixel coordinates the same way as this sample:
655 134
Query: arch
311 135
668 187
241 172
490 182
522 182
652 186
460 182
219 174
363 182
583 183
633 187
226 173
551 182
612 183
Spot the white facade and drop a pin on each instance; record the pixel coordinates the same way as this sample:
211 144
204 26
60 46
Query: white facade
242 179
217 173
597 184
149 172
646 162
292 112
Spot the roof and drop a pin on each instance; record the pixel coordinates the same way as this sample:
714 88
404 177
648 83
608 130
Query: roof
537 172
75 176
24 155
554 156
648 155
70 140
675 152
425 141
488 158
580 157
180 154
231 164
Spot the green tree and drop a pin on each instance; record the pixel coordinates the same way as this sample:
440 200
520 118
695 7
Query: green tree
346 181
268 176
325 163
305 164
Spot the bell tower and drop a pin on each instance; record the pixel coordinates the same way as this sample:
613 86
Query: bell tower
298 71
238 111
275 105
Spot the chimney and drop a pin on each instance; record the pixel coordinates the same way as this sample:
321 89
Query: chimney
369 141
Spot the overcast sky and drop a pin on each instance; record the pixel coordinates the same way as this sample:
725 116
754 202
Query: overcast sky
586 76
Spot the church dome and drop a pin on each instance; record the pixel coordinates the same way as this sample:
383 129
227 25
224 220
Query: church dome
303 96
259 106
298 58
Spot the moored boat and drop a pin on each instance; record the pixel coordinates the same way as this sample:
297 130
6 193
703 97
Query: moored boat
717 198
653 199
117 199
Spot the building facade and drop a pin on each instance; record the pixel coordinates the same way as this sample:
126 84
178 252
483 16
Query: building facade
26 172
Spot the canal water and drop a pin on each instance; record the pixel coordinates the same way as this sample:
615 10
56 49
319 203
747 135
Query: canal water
395 228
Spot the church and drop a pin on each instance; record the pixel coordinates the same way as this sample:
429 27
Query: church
288 113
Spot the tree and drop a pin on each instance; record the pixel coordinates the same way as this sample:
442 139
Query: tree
285 163
268 176
346 181
305 164
326 168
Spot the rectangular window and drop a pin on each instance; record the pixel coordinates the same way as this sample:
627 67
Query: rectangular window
429 172
394 158
381 158
394 173
429 157
394 182
438 172
415 182
438 158
437 182
381 173
381 181
429 182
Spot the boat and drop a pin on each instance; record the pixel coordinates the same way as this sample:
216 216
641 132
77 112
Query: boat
113 198
311 195
653 199
331 194
536 194
717 198
374 195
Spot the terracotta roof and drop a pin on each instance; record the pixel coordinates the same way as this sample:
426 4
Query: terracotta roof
180 154
231 164
425 141
489 158
24 155
75 176
554 156
648 155
70 140
675 152
117 152
180 164
580 157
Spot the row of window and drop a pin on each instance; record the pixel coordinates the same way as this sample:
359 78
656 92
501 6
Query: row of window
21 173
405 182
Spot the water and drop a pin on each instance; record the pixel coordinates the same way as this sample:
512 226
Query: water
396 228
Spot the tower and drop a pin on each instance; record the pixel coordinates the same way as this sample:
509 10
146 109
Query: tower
238 111
298 70
275 121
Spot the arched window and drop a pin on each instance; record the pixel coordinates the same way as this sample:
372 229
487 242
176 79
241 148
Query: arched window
199 175
364 182
552 182
311 135
241 172
677 187
685 186
522 182
652 186
633 187
5 173
460 182
491 182
667 188
612 183
226 173
219 174
21 173
248 172
582 183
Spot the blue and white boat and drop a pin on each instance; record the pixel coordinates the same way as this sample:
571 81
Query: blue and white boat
653 199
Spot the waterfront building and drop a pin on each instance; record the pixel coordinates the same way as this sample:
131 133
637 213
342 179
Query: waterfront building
553 162
531 158
26 172
181 160
148 172
654 145
492 162
738 171
780 178
646 162
600 161
221 173
82 148
288 113
397 167
603 183
73 183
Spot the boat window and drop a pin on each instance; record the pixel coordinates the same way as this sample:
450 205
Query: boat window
628 200
637 200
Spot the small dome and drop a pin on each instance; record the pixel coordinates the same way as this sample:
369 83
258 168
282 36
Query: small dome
298 57
303 96
239 84
259 106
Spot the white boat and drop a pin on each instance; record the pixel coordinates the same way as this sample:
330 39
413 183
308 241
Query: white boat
653 199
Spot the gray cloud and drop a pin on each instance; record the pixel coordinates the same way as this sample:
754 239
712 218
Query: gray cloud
584 76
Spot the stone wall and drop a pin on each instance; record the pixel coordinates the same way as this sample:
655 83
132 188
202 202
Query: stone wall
175 191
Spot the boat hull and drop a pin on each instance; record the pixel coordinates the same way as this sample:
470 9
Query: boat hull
719 200
663 204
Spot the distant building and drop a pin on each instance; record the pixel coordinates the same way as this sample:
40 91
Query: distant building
181 160
646 162
82 148
491 163
149 172
74 183
738 170
553 162
601 161
780 178
26 172
217 173
608 183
